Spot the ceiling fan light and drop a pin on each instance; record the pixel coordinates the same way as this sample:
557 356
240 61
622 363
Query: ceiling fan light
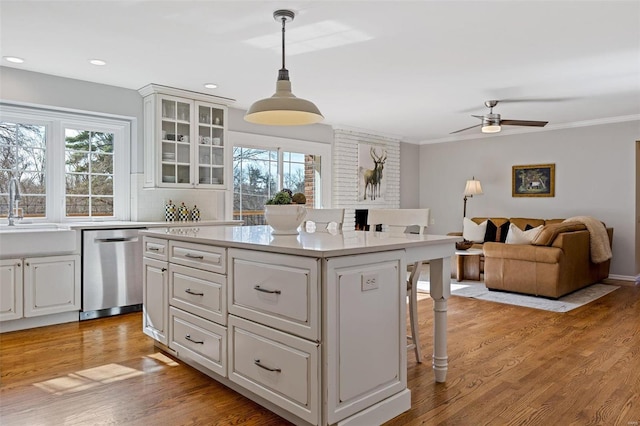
491 128
283 109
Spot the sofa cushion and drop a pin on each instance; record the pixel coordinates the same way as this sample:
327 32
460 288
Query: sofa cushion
549 232
473 231
518 236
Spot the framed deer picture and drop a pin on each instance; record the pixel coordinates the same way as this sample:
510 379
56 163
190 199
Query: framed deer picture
371 181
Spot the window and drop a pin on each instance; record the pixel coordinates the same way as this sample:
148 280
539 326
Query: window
68 165
23 156
271 164
89 173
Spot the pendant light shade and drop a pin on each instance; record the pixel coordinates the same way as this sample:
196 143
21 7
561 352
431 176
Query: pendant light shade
283 108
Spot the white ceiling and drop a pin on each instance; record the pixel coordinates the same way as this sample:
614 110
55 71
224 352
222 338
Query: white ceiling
421 70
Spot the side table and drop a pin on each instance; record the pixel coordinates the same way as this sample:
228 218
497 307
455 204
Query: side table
467 265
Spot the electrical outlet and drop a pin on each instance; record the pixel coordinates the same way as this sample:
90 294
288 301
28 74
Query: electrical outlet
369 282
432 221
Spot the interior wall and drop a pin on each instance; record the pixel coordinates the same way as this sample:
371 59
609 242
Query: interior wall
595 170
409 176
59 92
637 212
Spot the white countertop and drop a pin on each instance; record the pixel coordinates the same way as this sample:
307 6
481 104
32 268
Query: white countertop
111 224
318 244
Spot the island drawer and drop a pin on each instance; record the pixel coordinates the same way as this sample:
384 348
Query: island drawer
277 290
199 292
199 340
277 366
208 258
155 248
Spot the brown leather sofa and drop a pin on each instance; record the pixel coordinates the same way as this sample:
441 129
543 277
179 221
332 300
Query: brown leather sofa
558 261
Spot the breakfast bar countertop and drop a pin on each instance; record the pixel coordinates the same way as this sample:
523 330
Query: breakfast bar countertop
316 244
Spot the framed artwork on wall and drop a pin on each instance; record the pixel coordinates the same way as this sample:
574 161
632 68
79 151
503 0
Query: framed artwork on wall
372 184
536 180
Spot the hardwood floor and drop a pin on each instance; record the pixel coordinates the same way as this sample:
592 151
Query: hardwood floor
508 365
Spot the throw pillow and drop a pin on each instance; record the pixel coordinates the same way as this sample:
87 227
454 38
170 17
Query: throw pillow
492 231
518 236
504 231
492 234
471 231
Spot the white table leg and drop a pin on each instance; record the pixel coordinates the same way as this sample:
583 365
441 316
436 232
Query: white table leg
440 289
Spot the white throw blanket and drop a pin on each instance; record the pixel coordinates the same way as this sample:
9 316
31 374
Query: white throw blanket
598 238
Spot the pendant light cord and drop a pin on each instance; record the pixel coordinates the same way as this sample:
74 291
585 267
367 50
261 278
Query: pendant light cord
283 24
283 74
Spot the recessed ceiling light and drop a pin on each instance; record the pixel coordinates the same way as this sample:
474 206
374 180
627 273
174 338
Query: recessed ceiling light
13 59
211 86
98 62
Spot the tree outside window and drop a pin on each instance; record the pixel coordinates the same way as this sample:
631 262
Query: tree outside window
23 156
88 173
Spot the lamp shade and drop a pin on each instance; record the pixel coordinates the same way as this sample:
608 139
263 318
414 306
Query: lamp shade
472 188
283 109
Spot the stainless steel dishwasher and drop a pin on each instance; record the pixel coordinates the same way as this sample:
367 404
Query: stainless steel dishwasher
111 272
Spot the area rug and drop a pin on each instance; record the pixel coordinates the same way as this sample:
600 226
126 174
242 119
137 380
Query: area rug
477 290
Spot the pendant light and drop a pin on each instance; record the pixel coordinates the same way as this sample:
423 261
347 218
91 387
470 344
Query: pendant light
283 108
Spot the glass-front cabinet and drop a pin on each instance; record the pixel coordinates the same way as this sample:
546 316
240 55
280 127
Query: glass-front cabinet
184 140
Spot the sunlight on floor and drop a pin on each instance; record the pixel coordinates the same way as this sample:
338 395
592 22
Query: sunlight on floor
86 379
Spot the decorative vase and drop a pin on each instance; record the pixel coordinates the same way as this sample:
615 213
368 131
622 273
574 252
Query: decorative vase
284 218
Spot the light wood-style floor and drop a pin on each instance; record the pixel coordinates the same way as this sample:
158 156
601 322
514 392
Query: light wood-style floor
508 366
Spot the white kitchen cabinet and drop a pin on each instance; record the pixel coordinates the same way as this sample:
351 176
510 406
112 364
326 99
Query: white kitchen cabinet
51 285
10 289
155 299
185 139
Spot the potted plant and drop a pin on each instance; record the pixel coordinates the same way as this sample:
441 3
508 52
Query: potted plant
285 212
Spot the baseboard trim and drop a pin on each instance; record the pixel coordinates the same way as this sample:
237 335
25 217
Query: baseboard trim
622 277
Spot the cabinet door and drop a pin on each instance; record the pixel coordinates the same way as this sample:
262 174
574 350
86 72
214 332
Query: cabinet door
51 285
155 299
210 151
175 135
10 289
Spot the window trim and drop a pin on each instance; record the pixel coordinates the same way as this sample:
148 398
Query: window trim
56 120
251 140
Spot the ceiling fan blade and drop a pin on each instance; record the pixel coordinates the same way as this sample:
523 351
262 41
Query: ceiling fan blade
467 128
511 101
523 123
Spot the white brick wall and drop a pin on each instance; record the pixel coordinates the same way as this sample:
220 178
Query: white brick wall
345 173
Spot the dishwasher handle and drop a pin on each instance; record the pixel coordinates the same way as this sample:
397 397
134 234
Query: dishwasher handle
116 240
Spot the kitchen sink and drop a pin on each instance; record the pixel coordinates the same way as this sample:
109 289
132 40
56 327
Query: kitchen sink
36 239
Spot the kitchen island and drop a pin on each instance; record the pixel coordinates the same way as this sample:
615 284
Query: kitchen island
311 326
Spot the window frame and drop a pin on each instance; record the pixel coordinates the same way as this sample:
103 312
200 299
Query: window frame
55 122
280 145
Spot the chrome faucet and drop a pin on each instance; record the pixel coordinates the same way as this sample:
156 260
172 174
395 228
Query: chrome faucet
14 196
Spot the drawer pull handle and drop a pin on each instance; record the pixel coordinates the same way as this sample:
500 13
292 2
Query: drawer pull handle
188 337
264 290
257 362
154 248
163 269
194 256
195 293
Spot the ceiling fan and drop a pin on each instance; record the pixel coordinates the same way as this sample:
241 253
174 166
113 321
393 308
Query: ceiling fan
492 123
